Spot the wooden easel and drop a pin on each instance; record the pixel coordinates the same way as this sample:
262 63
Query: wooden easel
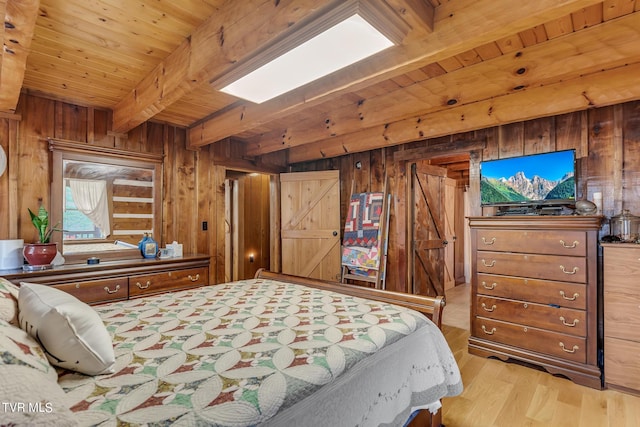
366 274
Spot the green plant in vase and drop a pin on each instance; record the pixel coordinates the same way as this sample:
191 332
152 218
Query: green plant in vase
43 252
41 223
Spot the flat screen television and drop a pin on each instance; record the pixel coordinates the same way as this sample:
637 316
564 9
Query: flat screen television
533 180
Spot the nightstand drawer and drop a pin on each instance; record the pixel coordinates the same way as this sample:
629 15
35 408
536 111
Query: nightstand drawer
97 291
542 316
563 294
146 284
550 267
563 242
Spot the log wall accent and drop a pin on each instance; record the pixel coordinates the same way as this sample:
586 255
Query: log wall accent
607 142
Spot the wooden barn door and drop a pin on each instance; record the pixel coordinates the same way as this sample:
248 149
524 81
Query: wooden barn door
431 225
449 232
310 218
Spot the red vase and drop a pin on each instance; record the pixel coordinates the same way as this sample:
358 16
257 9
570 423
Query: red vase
40 253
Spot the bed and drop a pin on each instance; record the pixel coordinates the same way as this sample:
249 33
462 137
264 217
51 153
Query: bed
275 350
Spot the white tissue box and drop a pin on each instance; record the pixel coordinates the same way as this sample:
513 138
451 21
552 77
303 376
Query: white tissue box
177 249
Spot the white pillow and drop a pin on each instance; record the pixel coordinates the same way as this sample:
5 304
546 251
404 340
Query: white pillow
70 332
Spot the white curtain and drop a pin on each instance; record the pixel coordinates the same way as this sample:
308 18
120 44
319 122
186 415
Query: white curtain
90 197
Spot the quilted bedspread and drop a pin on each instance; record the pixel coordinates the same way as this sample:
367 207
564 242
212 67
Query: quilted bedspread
238 354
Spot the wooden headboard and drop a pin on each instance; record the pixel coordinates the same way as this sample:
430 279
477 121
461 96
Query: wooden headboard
430 306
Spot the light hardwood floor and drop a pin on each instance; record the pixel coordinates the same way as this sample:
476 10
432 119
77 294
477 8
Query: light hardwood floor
510 395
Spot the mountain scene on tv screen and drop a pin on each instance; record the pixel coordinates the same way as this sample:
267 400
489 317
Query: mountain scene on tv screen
518 189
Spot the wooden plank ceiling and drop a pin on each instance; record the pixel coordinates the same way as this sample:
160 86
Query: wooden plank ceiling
466 64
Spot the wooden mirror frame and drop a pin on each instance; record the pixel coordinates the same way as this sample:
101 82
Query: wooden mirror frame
68 150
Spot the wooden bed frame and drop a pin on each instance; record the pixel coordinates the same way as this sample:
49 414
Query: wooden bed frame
430 306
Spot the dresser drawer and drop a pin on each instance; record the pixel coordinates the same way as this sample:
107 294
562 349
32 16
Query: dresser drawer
97 291
551 242
146 284
552 343
565 320
550 267
621 363
621 269
563 294
622 315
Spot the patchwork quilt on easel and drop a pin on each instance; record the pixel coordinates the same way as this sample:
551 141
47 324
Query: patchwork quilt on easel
360 249
363 220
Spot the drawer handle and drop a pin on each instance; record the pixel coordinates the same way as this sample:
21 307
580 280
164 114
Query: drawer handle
572 246
493 307
564 322
566 350
574 271
491 332
194 279
490 242
109 291
490 287
145 286
573 298
491 264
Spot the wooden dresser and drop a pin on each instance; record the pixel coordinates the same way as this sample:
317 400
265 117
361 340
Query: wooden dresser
535 292
120 280
621 316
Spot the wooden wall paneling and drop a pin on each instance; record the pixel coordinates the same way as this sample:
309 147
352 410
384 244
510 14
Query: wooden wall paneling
33 172
491 150
400 280
475 158
5 212
568 133
71 122
275 255
12 174
265 222
618 155
184 193
511 140
392 262
599 171
168 189
143 139
378 169
135 139
362 176
347 184
459 243
255 224
205 196
240 251
102 120
539 136
216 232
631 157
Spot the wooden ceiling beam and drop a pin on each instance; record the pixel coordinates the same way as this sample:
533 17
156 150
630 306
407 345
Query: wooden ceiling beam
3 11
583 52
419 14
589 91
458 27
19 25
229 36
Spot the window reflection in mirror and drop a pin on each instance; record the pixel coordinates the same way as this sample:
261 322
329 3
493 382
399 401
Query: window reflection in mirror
106 200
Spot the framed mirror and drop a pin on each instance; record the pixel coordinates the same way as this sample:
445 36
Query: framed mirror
104 199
